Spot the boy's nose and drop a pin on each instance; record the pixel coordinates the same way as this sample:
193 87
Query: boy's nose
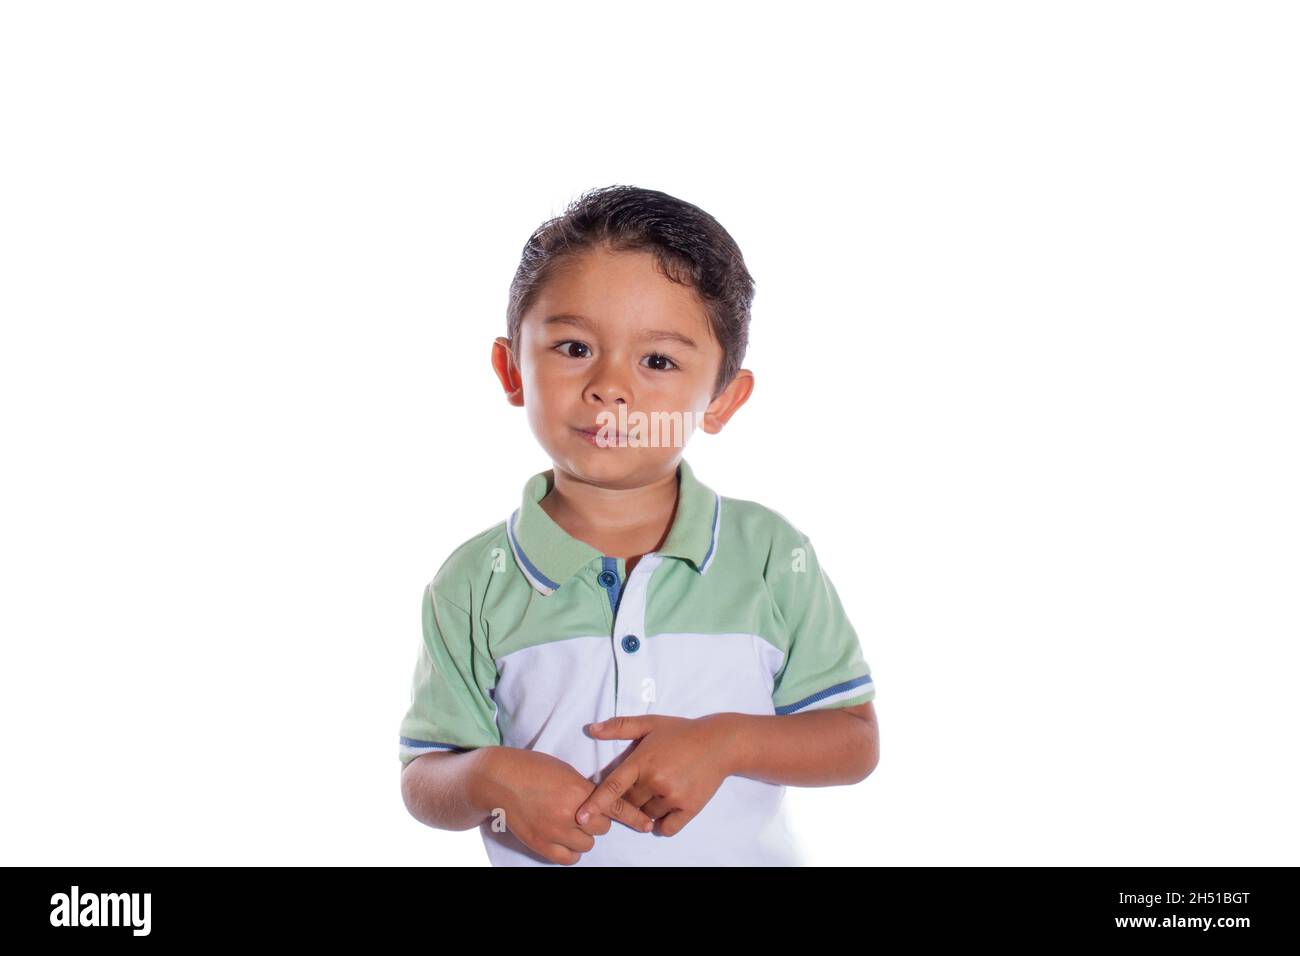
608 392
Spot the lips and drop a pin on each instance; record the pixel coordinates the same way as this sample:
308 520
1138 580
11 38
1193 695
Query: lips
615 439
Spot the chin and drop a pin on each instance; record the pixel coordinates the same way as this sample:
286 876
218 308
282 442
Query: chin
600 464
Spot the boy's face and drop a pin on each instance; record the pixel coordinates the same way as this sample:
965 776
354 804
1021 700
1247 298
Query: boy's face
609 329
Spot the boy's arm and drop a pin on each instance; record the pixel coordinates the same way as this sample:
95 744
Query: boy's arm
449 789
817 748
680 762
449 735
814 739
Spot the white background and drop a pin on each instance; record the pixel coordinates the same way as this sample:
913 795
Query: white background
1025 348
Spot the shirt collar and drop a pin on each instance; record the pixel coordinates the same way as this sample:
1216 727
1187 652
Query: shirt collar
548 555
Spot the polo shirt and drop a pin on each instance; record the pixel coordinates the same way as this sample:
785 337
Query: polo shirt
529 634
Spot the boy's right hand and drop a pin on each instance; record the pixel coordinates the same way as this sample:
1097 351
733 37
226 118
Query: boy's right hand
540 794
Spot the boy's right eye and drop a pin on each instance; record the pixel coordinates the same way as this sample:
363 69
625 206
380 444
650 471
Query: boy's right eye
567 345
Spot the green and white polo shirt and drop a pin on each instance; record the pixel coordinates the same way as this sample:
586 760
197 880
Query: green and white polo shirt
530 634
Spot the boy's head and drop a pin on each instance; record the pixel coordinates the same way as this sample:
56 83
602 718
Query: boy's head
630 298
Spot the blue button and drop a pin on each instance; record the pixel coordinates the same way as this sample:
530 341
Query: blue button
607 579
630 643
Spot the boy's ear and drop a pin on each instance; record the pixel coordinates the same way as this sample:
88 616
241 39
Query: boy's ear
728 402
503 363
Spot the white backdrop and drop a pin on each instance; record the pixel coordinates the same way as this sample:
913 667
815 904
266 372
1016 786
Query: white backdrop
1025 349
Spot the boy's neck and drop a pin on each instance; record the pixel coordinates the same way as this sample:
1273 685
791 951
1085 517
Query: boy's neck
618 522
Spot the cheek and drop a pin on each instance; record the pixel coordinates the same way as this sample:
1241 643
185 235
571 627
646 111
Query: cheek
545 397
681 391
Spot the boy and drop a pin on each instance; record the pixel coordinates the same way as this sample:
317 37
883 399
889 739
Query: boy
630 668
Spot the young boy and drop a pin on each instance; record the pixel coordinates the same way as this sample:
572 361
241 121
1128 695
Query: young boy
630 668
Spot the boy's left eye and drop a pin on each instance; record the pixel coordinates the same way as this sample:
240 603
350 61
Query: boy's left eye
656 357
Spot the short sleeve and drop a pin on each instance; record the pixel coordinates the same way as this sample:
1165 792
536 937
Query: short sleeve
823 665
451 705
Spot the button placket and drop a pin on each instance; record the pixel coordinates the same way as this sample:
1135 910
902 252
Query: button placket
631 650
609 580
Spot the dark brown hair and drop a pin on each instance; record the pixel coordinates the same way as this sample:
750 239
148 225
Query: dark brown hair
691 247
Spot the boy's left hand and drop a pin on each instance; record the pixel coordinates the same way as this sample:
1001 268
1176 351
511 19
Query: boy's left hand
673 771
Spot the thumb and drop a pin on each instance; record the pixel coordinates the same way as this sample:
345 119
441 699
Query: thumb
619 728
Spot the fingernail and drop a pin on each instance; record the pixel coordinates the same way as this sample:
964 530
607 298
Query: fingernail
582 817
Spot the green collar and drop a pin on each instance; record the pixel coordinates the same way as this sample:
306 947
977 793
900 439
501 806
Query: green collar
549 555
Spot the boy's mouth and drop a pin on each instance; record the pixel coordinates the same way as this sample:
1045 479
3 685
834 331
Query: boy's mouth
612 439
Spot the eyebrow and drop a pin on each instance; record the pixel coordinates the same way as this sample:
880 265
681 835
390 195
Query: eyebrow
649 335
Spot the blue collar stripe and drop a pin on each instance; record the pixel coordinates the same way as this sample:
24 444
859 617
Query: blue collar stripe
530 569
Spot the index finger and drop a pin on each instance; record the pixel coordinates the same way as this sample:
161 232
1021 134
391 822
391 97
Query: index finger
607 798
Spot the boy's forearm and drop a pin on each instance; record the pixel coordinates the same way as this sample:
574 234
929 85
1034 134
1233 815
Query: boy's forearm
821 748
449 790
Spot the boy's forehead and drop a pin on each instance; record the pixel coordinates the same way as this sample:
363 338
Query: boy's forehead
610 290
